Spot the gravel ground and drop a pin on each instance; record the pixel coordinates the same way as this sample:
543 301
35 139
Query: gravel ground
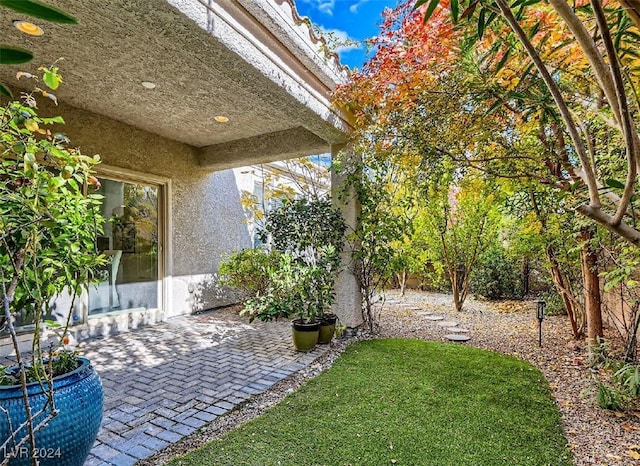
595 436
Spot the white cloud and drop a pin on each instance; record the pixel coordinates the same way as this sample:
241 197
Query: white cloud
354 8
325 6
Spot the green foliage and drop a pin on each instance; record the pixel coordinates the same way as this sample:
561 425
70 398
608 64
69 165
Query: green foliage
4 90
49 218
300 227
497 275
38 10
44 213
249 270
460 222
375 180
297 289
282 296
553 303
624 273
628 376
11 55
61 362
617 384
609 398
6 379
309 237
14 55
51 77
404 402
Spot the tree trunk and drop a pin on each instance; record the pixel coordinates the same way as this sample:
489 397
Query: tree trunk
457 287
402 281
565 293
525 276
592 301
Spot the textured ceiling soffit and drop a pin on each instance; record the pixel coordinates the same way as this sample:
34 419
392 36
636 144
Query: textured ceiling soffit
264 148
196 75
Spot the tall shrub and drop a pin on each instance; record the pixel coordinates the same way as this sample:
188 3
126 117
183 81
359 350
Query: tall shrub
312 233
497 275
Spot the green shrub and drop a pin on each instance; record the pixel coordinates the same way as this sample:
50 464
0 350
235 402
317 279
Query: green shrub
609 398
249 270
497 275
300 225
628 376
295 289
310 236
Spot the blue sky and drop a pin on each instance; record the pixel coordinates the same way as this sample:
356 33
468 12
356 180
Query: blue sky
354 19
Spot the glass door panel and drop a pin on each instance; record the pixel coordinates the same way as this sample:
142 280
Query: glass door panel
131 241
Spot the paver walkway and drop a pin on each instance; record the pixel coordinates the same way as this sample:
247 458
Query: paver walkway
163 382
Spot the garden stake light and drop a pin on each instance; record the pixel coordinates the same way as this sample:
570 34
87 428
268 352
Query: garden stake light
540 304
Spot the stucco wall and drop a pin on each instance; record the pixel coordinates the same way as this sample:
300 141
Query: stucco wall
205 213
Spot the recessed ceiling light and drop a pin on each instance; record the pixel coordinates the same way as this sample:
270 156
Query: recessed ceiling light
221 119
148 85
28 28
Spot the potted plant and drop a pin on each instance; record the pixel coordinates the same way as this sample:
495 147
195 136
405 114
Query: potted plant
286 296
323 263
305 328
50 402
312 232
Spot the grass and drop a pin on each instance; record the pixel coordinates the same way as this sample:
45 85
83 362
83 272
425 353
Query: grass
404 402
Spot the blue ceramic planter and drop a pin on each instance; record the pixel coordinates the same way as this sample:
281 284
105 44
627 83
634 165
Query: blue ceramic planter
68 438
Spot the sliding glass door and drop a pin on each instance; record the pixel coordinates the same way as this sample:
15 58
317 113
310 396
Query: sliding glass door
132 242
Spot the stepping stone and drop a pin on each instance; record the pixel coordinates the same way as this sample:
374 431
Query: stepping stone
434 318
447 323
456 337
459 330
425 313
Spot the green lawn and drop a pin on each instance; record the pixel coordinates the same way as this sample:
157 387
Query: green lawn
404 402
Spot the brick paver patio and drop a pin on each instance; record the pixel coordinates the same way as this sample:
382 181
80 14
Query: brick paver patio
163 382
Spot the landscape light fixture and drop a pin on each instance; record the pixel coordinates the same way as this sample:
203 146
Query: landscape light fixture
221 119
540 304
28 28
148 84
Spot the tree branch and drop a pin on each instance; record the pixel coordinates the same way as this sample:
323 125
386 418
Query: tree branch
565 113
625 115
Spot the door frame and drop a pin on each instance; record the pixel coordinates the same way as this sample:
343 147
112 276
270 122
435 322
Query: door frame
165 264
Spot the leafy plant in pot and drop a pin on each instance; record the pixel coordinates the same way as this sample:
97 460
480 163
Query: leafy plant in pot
305 327
50 404
286 296
321 264
312 231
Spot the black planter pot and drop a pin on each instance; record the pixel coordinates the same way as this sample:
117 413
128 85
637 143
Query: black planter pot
327 328
305 335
